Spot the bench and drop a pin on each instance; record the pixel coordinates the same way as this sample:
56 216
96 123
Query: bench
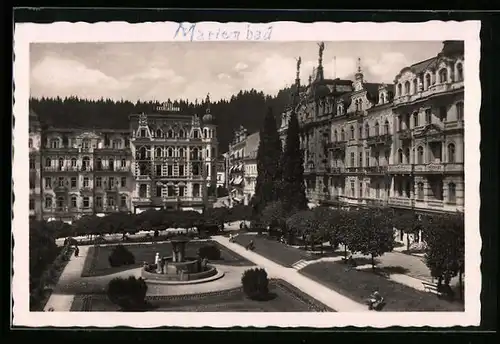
431 288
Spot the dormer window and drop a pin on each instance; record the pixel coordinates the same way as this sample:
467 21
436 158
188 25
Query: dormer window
142 133
427 81
159 133
181 134
400 90
382 98
116 144
54 143
195 134
407 87
460 72
170 134
443 75
85 144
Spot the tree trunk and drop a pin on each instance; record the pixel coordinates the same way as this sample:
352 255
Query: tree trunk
408 242
345 251
373 261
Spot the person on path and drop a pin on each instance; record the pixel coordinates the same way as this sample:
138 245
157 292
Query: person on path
77 251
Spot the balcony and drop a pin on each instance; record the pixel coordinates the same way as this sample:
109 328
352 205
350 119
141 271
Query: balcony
428 168
454 125
337 145
376 169
431 91
143 177
379 140
61 168
400 169
404 134
402 202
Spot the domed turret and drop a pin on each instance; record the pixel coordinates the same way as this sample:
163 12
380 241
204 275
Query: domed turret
207 117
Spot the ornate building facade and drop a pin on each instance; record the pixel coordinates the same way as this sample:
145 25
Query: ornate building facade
236 165
250 166
175 158
377 144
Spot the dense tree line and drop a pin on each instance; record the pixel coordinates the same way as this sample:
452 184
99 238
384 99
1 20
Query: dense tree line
247 108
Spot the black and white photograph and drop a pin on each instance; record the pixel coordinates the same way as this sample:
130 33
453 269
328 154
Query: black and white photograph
248 170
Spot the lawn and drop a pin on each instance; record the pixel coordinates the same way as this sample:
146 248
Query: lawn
358 285
274 250
285 298
96 262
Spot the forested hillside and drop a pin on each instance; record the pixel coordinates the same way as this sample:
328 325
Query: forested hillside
247 108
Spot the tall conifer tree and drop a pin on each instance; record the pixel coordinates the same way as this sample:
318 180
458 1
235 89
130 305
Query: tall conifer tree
268 164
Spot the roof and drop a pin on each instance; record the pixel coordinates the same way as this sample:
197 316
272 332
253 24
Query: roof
421 66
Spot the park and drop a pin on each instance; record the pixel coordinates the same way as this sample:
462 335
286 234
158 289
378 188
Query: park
162 260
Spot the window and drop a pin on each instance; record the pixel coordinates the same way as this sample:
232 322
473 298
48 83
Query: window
400 156
30 144
386 127
98 201
181 134
73 162
158 152
420 155
205 133
460 72
143 191
32 204
342 135
48 182
60 164
73 202
85 144
60 181
382 98
352 132
196 190
400 90
54 143
415 119
98 182
98 163
123 182
451 153
111 201
158 170
170 170
428 116
182 152
460 111
181 170
170 152
377 191
123 163
116 144
170 134
48 162
194 154
407 87
60 203
85 182
170 191
353 190
73 182
442 113
48 202
361 159
195 134
420 191
367 159
111 164
452 193
159 133
86 163
335 136
427 81
32 182
443 75
377 159
123 201
360 190
32 164
142 133
352 159
415 85
111 182
143 153
182 190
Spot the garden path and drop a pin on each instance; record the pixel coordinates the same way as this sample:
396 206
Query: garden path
321 293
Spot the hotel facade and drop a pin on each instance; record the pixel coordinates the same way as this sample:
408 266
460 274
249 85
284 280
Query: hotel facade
166 160
400 145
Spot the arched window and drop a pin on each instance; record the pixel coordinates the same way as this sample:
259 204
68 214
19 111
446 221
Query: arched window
400 156
30 143
360 129
159 133
98 164
170 152
377 129
73 202
111 164
73 162
452 193
415 85
367 130
48 162
352 132
407 87
170 133
86 144
443 75
342 135
460 72
415 119
142 153
205 133
382 98
181 152
123 201
158 152
181 134
427 81
386 127
194 154
60 164
400 90
335 136
48 202
460 111
451 153
407 155
420 191
420 155
60 202
86 163
143 191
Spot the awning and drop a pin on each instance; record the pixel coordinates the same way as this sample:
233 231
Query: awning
238 180
240 167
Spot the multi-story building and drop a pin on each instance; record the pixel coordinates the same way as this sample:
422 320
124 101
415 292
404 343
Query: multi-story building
174 159
85 172
35 176
222 171
236 165
250 166
401 145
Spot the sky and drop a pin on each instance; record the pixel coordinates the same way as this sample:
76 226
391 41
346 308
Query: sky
189 70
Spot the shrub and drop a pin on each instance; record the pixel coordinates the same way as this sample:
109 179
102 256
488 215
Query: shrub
121 256
255 283
99 240
128 293
156 233
211 252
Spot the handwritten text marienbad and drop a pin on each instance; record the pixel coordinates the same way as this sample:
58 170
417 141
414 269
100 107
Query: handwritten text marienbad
250 32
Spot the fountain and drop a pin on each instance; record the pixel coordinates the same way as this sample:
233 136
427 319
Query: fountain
179 269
